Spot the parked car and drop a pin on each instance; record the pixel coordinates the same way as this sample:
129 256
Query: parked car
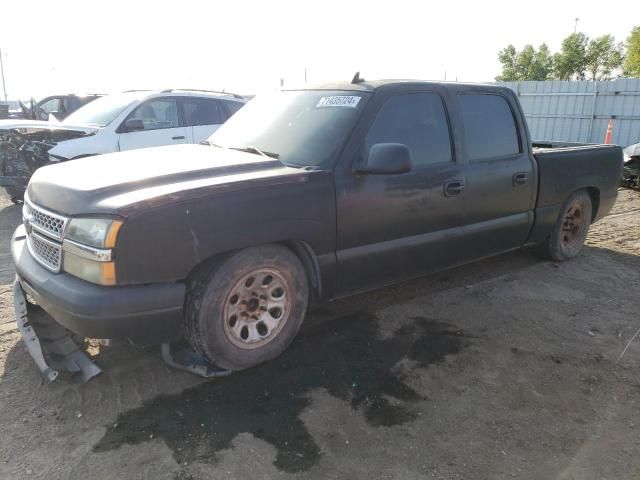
631 171
57 106
303 196
124 121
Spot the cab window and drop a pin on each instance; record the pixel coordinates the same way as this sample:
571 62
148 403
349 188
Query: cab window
417 120
489 126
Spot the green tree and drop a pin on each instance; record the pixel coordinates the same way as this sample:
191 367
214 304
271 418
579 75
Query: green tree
604 56
571 61
528 64
542 64
632 61
507 58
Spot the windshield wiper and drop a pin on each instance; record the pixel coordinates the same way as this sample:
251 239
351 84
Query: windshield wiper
256 150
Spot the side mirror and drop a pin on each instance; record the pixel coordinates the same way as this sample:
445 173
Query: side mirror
387 159
133 125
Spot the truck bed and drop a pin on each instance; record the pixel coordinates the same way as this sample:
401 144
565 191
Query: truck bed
564 168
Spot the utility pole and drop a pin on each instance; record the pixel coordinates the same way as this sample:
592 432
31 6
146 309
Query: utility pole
575 27
4 86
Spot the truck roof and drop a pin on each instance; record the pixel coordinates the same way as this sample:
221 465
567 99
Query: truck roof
372 85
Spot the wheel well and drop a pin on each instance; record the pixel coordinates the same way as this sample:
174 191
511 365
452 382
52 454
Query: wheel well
301 249
594 193
307 256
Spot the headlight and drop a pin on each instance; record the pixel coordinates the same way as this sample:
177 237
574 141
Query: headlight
87 250
95 232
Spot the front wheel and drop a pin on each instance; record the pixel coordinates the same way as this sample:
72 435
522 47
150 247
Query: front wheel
247 308
570 230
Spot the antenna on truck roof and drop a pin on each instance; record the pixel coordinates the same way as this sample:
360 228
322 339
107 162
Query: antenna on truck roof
357 79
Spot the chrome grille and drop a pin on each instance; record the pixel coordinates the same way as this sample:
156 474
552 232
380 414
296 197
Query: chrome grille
44 221
45 231
46 252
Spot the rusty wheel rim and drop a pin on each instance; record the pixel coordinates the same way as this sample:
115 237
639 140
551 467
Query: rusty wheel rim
572 225
256 309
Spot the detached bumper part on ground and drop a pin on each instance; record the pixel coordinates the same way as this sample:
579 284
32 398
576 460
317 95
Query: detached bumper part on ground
49 344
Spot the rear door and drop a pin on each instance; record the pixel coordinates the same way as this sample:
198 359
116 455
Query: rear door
202 116
392 227
501 177
161 125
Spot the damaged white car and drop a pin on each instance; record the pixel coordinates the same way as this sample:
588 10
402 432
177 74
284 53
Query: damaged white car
118 122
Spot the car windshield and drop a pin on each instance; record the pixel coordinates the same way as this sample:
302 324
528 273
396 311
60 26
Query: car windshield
303 128
102 111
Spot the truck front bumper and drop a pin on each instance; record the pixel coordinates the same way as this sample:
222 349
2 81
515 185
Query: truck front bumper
146 314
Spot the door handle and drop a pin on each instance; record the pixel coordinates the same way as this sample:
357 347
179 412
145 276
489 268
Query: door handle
520 178
453 188
178 137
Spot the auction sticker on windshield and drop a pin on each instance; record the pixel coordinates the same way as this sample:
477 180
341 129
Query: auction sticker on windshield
350 101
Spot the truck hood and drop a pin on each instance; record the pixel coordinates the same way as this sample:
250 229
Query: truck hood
124 182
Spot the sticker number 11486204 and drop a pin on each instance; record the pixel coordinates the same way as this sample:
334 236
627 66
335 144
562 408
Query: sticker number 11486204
350 101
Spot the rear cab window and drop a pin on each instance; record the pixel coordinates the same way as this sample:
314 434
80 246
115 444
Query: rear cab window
489 126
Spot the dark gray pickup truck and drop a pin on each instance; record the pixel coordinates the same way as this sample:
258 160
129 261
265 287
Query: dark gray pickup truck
303 196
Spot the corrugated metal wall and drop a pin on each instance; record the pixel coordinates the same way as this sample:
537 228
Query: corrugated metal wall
580 111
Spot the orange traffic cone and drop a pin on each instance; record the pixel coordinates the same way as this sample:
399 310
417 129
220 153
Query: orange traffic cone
607 137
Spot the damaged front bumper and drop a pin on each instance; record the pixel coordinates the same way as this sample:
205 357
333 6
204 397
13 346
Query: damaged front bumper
48 343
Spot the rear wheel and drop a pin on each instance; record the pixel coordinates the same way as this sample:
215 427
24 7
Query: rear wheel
247 308
570 230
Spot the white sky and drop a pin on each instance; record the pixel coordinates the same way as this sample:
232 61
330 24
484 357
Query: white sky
68 46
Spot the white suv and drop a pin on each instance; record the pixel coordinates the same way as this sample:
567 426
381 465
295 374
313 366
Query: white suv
139 119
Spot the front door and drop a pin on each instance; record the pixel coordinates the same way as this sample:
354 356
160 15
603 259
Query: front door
161 126
392 227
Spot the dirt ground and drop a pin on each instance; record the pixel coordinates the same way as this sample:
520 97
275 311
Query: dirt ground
507 368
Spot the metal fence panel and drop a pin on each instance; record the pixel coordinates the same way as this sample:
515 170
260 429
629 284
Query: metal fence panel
580 111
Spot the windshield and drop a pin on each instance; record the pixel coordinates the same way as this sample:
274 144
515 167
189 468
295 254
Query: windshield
102 111
304 128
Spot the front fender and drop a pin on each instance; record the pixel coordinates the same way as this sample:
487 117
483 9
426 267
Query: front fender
165 243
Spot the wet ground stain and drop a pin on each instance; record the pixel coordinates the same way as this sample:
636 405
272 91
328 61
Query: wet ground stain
345 356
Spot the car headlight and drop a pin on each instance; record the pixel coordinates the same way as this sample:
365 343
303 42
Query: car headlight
95 232
87 249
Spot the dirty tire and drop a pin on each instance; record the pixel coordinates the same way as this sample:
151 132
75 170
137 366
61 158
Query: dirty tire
570 230
268 313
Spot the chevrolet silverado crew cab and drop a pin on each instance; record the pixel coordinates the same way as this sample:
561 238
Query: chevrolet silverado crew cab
302 196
